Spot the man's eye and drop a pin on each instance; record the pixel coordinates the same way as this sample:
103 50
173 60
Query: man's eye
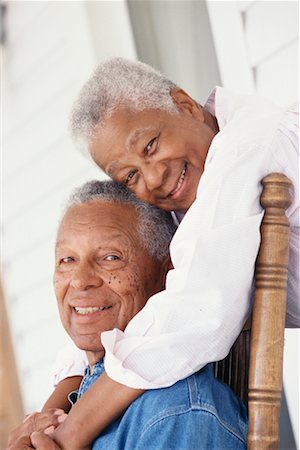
67 259
130 177
111 258
149 146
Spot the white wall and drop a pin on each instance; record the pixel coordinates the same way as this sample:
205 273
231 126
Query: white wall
257 45
49 53
272 43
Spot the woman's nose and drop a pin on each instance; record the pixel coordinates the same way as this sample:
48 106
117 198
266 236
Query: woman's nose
154 175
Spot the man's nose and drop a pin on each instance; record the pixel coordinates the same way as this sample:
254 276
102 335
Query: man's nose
85 276
154 175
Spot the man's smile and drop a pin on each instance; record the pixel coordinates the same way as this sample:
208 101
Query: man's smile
84 315
90 309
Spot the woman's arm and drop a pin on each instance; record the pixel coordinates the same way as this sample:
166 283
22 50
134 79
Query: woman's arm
103 403
59 397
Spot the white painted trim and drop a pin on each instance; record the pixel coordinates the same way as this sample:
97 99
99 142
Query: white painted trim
228 35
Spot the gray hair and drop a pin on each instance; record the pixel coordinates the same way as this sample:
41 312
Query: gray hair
155 226
117 83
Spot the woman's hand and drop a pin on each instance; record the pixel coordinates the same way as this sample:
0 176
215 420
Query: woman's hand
38 421
38 441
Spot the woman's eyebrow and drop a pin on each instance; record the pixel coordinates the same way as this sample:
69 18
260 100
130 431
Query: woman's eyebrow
131 142
112 167
136 135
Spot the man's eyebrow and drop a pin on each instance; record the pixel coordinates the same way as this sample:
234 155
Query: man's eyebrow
59 244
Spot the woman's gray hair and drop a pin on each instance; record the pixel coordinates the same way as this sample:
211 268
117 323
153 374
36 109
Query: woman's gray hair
117 83
155 226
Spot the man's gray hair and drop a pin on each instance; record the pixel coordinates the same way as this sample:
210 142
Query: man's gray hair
117 83
155 226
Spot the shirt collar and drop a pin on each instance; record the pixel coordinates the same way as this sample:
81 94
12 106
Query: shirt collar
97 367
222 104
210 102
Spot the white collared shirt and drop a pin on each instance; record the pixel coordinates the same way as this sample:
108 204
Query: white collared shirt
207 297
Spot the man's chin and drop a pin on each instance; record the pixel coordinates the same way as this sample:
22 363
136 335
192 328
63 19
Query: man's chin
88 343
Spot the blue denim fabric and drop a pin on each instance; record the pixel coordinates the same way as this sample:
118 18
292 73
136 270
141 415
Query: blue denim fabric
199 412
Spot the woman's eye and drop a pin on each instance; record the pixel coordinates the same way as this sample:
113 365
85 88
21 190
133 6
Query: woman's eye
111 258
130 177
149 146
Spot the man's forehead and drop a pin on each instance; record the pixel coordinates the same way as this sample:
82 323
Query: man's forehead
112 218
106 238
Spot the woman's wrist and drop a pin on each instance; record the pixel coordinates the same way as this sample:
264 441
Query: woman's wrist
68 438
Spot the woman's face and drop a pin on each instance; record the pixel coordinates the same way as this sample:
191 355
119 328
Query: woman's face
159 155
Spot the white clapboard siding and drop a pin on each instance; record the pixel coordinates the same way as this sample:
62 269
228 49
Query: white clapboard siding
42 214
41 174
19 20
56 109
49 53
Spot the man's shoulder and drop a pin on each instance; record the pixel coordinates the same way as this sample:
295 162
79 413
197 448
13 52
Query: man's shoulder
197 409
200 392
199 402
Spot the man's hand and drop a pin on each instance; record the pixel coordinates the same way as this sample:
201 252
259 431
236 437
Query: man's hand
38 441
49 419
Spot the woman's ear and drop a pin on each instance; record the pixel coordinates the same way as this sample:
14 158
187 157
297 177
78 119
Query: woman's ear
166 266
186 104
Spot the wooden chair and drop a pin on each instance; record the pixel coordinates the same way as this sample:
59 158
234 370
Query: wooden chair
254 365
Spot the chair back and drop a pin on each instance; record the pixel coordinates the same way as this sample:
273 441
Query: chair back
253 368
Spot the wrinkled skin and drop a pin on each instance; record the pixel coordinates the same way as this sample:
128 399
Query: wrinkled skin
38 421
37 440
160 156
101 263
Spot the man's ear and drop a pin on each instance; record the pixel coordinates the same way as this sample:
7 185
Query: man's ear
186 104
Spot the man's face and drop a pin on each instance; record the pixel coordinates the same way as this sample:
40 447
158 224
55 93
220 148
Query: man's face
158 155
103 274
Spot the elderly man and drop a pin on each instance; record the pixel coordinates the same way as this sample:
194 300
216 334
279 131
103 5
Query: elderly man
111 256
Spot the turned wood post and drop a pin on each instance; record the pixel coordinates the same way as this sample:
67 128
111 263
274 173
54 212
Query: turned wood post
268 320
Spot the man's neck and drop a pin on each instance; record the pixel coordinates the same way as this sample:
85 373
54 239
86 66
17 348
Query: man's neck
94 358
